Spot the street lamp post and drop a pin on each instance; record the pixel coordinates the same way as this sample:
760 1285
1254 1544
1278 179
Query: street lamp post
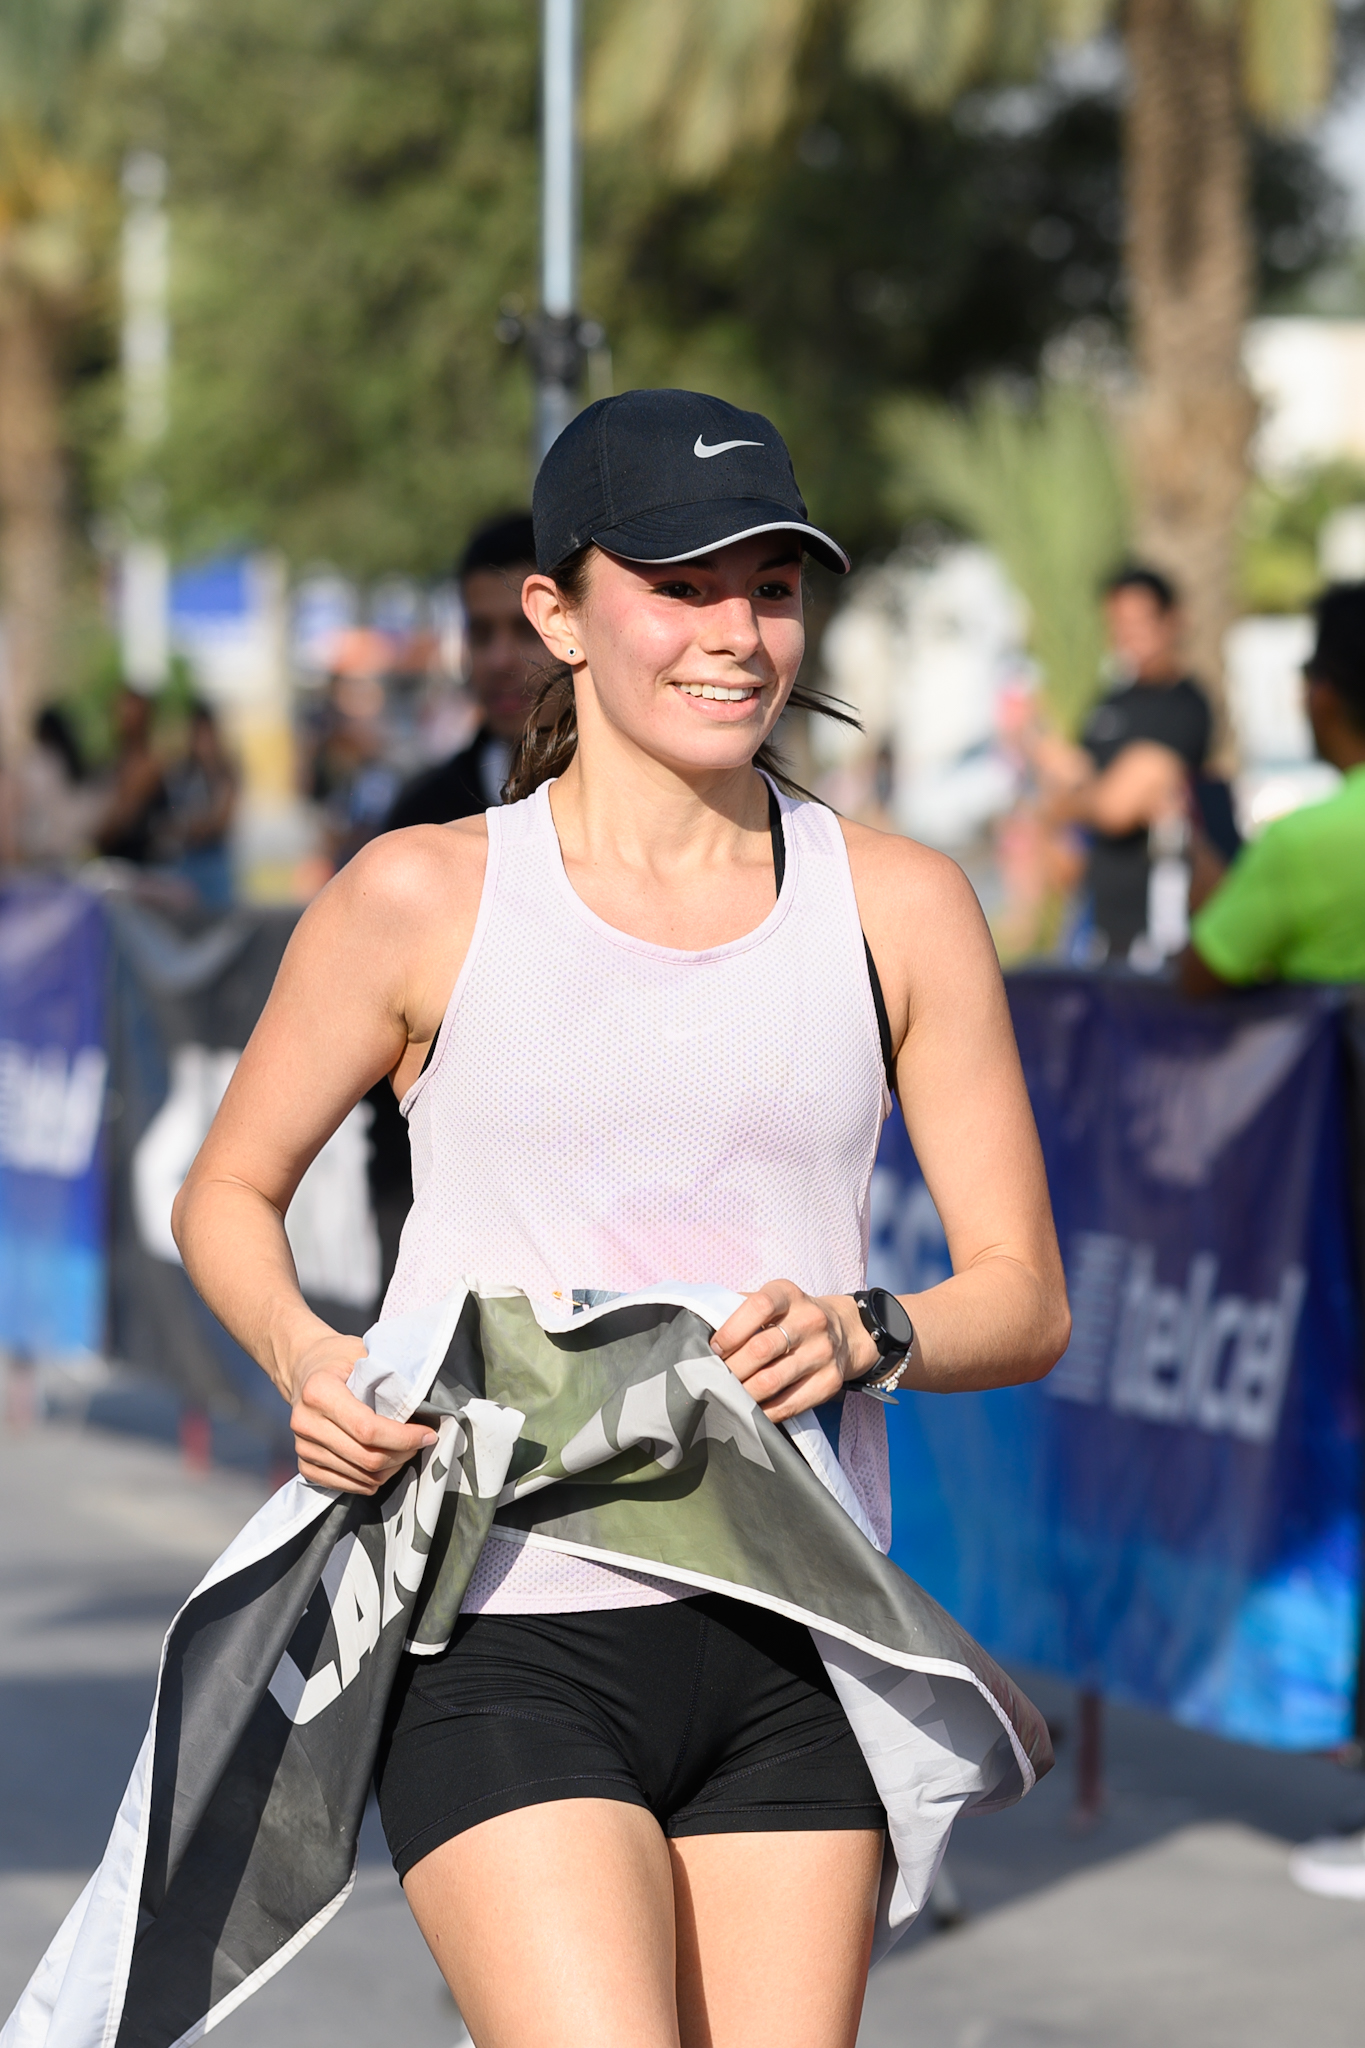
558 338
145 351
559 365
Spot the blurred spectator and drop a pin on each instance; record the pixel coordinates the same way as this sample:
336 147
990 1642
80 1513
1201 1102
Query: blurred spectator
201 797
56 803
352 777
1292 907
505 654
135 803
1140 762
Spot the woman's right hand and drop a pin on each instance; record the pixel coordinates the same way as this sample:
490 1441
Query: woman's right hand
341 1443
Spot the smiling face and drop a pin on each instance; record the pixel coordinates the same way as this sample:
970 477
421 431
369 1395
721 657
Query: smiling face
692 662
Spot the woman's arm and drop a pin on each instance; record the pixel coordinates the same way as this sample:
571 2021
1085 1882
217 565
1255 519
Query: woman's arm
1003 1316
360 994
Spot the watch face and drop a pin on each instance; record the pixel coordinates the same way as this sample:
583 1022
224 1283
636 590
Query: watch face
890 1313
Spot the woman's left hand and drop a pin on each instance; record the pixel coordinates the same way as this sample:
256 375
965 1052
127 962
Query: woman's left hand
793 1350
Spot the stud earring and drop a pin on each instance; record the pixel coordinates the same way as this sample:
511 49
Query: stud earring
572 652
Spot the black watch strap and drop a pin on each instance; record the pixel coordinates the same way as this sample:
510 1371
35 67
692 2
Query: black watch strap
885 1319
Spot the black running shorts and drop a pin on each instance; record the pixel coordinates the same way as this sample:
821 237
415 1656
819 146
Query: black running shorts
714 1714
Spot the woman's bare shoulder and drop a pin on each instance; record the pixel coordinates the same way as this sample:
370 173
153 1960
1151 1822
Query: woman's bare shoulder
395 911
893 875
420 872
923 924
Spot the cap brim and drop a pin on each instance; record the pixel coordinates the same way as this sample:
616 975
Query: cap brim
671 534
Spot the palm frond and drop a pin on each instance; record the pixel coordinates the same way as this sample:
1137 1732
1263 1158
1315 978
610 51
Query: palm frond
935 49
1075 21
1043 487
1287 53
931 49
707 78
44 47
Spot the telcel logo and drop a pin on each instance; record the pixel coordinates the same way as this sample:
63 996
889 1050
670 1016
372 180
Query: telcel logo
50 1108
1191 1356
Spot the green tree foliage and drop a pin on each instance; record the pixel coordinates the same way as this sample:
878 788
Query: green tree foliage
1042 485
870 250
706 80
354 191
1281 525
354 194
55 217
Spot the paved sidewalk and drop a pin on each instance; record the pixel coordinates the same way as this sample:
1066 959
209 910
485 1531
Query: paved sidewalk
101 1538
1172 1924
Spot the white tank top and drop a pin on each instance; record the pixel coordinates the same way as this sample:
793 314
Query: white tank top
604 1113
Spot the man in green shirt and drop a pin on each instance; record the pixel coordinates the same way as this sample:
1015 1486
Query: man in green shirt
1292 906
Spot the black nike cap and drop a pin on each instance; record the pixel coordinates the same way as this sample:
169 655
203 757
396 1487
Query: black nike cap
664 476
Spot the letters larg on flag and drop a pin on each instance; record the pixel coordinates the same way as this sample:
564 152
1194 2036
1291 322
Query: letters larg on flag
1173 1515
613 1434
53 1071
50 1107
1220 1362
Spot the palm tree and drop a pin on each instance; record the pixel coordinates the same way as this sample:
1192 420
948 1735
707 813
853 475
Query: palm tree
53 208
1041 487
701 81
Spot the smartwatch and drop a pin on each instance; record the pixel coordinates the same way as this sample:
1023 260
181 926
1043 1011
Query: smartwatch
884 1318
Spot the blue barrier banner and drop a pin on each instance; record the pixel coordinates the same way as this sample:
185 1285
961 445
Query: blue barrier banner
185 998
53 1069
1174 1515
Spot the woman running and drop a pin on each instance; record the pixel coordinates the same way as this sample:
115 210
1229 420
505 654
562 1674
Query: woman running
642 1021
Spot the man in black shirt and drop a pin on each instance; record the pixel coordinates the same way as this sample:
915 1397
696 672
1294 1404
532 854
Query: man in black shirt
505 654
1158 704
1140 761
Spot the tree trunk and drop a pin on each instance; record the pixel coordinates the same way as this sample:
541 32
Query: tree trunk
31 507
1189 256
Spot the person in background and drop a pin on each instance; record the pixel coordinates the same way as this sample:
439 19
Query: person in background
505 657
56 804
135 805
1141 761
350 775
1292 906
201 796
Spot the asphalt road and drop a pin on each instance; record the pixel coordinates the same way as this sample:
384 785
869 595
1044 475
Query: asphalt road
1171 1922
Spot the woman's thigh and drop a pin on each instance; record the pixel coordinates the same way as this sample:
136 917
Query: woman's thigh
554 1926
774 1936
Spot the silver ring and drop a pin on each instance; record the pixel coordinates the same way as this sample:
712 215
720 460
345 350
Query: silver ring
790 1346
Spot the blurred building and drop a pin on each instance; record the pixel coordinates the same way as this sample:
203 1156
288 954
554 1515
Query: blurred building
1309 377
926 650
228 618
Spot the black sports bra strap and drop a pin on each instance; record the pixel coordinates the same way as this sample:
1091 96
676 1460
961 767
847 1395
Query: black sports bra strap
779 840
883 1021
778 837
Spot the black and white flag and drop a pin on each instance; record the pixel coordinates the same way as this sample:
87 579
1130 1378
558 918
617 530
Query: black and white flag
615 1434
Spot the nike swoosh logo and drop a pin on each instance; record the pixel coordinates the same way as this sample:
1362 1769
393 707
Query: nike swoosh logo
699 447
